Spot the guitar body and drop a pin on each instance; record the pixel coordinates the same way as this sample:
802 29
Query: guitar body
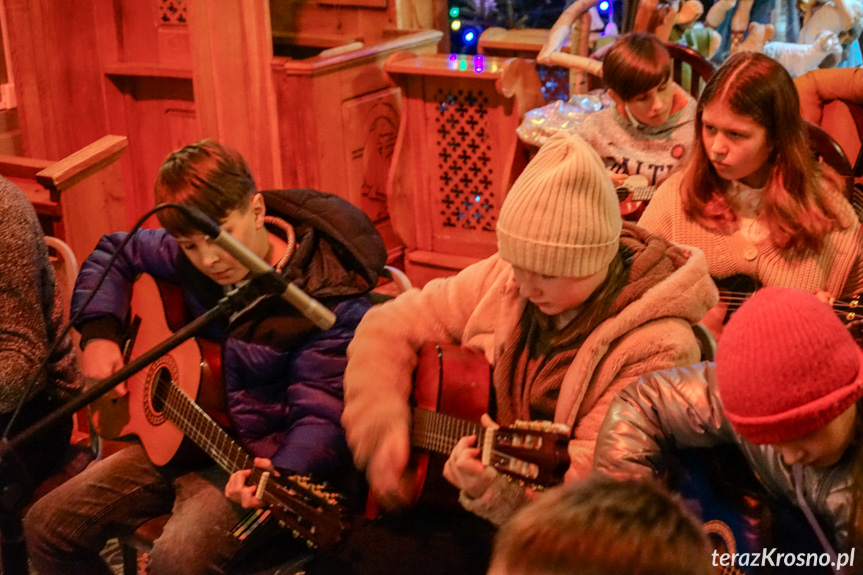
634 194
456 381
190 366
453 380
452 389
631 210
740 516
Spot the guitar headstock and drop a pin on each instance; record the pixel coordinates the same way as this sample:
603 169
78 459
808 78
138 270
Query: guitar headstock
534 452
851 314
856 329
304 508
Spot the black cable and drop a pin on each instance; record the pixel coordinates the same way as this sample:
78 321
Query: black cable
65 331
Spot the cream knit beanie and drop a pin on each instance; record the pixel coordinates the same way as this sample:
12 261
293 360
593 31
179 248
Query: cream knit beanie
562 216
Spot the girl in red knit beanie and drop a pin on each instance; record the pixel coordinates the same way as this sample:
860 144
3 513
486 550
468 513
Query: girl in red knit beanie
786 387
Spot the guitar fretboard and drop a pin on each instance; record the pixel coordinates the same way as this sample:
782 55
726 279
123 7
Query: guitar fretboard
635 194
439 432
847 311
203 430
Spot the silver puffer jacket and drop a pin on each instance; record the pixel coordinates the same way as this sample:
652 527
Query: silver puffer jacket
680 407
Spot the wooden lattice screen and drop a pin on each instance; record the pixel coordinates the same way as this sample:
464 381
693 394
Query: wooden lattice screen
456 155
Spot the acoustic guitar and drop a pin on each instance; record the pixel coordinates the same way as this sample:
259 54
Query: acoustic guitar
736 289
160 410
634 194
452 389
739 515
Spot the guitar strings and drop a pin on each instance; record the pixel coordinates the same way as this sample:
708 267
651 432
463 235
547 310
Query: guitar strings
841 308
741 297
440 432
297 502
221 447
188 415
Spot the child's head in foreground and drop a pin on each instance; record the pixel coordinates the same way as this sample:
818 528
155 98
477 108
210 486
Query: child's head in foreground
600 526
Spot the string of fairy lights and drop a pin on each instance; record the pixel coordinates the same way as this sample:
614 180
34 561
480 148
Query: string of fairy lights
467 23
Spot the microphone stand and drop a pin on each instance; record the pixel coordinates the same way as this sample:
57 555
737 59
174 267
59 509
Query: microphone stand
15 483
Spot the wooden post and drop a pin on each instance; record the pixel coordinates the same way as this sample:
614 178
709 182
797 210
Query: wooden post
55 59
231 42
580 43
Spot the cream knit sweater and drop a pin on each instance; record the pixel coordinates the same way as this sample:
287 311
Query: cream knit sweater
836 270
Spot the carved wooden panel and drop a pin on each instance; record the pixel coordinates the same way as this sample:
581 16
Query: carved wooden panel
159 116
555 82
371 124
456 155
464 196
172 12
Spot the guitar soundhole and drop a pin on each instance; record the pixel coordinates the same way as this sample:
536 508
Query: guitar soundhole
160 392
159 380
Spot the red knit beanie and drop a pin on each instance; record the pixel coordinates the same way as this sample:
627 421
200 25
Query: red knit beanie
786 366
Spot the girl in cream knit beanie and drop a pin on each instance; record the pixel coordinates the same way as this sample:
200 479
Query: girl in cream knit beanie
562 216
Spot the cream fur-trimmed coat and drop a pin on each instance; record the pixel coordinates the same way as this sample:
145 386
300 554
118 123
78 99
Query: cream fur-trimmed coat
480 308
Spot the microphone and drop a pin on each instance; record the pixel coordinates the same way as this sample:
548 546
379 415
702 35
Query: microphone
311 308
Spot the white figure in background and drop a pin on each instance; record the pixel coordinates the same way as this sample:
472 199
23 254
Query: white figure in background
824 52
842 17
731 18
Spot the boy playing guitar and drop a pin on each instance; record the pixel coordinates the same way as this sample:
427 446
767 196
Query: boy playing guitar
282 375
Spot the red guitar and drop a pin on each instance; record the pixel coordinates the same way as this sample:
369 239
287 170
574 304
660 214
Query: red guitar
160 411
451 391
634 194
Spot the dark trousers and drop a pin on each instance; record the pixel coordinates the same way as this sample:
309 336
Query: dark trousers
422 541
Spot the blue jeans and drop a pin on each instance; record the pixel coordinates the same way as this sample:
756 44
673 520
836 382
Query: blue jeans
66 529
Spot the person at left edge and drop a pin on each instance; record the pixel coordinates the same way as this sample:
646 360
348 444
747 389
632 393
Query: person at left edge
282 375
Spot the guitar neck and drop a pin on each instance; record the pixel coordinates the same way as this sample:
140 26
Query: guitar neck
847 311
439 432
635 193
201 429
642 193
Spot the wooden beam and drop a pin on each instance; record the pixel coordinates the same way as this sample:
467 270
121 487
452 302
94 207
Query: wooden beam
231 44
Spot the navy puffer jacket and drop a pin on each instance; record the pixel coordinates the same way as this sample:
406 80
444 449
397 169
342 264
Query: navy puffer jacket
282 375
